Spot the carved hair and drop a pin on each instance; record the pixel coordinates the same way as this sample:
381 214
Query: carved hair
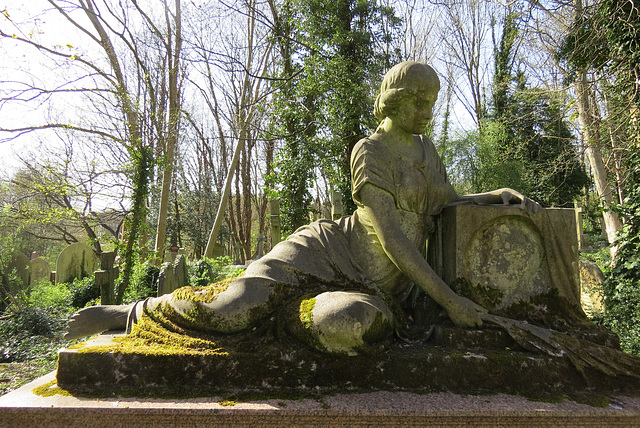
401 82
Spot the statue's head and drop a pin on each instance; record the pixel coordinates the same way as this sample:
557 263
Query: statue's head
401 83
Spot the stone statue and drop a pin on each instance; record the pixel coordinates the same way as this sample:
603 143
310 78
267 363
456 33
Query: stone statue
345 281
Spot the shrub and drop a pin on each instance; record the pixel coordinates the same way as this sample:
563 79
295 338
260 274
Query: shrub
206 271
33 332
144 282
83 291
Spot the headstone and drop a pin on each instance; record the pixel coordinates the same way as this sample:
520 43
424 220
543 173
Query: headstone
274 208
171 253
591 278
583 240
336 206
261 240
76 261
509 258
19 264
173 275
39 269
106 277
218 251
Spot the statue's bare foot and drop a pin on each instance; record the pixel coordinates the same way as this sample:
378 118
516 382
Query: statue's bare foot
96 319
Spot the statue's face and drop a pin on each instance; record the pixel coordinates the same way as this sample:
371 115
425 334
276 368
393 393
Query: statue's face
415 112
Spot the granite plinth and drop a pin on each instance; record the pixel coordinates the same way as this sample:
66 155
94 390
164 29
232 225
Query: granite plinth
381 408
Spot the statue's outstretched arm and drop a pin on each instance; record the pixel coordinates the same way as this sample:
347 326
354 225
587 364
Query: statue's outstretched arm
503 196
381 210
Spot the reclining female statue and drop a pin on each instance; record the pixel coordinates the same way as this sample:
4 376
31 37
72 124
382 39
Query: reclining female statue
353 273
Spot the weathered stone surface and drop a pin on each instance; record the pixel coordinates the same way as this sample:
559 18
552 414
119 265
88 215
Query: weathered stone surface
26 408
20 265
591 278
260 366
508 257
76 261
173 275
39 269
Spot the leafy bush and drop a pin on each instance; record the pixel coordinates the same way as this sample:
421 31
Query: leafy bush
57 298
206 271
622 286
33 332
83 291
144 281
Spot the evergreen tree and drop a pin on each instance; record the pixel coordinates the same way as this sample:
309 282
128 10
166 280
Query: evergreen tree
325 104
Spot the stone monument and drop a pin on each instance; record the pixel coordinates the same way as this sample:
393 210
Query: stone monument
358 303
75 261
39 269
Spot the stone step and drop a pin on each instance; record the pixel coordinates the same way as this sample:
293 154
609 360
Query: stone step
24 408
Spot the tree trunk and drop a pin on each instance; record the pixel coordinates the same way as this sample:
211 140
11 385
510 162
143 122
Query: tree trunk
592 138
172 134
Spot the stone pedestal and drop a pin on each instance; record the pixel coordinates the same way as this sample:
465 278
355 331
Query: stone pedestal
24 408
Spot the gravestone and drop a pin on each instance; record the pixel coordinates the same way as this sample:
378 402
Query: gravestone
76 261
508 259
173 275
336 205
591 278
274 208
20 265
39 269
105 277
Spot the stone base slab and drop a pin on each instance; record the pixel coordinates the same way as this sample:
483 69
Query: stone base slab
23 408
274 369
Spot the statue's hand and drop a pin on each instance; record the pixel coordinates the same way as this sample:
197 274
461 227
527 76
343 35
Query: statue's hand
465 313
510 196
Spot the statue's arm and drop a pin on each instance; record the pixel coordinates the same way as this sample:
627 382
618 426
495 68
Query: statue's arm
503 196
381 209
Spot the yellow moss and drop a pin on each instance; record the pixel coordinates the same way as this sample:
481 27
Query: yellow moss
202 294
306 308
78 345
227 403
50 389
149 337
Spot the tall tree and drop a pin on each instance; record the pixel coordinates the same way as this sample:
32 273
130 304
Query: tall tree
115 72
338 54
172 47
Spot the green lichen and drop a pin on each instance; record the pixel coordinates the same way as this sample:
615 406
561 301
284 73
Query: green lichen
306 311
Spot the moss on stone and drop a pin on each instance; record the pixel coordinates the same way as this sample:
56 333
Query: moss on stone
485 296
50 389
202 294
149 337
306 311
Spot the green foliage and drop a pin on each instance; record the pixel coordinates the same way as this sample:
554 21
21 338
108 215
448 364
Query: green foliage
325 104
34 332
606 40
206 271
141 171
622 285
527 142
58 298
144 282
83 290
